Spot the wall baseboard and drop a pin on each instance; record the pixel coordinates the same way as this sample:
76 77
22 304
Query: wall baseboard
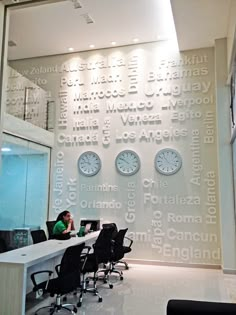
229 271
170 264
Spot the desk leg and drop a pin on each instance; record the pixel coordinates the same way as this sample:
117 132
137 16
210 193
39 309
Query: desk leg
12 288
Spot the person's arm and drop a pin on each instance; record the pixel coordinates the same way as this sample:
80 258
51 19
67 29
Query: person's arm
72 225
69 227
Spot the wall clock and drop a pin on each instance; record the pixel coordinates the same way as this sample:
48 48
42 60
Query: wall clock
89 163
127 162
168 161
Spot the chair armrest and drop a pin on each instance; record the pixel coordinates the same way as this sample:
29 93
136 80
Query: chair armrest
84 256
57 268
129 239
85 251
87 248
32 276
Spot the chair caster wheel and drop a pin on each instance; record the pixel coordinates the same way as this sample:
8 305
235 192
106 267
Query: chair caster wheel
79 304
104 281
100 300
75 310
121 278
126 267
64 299
111 286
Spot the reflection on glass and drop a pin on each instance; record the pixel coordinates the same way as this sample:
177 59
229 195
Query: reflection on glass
28 101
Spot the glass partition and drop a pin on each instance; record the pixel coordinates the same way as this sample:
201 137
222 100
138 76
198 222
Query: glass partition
24 181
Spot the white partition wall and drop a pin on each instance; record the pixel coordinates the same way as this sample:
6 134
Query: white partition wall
143 98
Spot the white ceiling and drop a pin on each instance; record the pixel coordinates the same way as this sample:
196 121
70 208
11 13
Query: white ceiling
199 22
53 28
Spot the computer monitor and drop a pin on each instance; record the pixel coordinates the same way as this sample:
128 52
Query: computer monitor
95 224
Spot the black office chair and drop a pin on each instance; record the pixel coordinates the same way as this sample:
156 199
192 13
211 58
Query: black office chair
38 236
118 252
67 281
88 264
101 255
189 307
50 226
127 243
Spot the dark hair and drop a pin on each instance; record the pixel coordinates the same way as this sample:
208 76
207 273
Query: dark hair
61 215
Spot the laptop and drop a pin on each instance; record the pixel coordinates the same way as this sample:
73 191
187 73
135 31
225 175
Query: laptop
87 228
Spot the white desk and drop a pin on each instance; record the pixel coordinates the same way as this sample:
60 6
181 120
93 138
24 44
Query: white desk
17 264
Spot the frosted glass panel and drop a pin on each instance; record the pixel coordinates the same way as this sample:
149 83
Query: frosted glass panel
12 190
24 180
37 186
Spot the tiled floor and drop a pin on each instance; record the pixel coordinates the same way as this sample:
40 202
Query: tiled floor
145 290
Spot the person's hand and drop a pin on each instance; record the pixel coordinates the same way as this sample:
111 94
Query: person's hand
72 225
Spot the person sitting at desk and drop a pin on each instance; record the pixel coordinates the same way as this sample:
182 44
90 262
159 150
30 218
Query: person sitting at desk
64 225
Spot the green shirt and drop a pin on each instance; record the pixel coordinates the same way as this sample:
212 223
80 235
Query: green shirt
59 227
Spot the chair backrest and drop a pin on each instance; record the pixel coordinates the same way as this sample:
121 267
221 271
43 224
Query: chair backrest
70 261
50 226
69 274
3 246
103 245
118 252
112 226
38 236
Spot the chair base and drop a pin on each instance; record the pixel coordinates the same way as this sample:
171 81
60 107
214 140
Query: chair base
124 263
55 307
108 271
85 289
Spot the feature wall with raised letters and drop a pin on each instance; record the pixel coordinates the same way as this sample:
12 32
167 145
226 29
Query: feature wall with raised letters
142 98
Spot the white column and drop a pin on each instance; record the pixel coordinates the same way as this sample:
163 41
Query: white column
226 192
1 62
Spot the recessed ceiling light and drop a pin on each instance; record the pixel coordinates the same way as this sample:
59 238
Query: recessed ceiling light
113 43
71 49
88 18
5 149
135 40
77 4
11 43
91 46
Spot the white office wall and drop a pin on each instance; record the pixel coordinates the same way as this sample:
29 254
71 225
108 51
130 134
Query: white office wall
145 98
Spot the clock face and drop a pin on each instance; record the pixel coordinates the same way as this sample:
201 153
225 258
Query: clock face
127 162
89 163
168 161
